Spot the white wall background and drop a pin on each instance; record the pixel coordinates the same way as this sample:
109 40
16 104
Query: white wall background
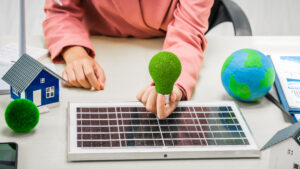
267 17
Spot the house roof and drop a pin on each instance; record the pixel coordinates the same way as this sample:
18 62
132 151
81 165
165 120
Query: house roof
291 131
24 71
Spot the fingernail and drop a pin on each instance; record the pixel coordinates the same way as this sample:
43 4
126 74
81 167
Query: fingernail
174 97
101 85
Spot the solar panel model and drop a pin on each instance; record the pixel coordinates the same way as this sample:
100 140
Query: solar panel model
126 131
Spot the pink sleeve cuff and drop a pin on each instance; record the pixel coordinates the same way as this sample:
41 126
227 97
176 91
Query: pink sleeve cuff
57 48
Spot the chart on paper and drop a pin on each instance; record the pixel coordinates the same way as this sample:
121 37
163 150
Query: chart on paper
287 70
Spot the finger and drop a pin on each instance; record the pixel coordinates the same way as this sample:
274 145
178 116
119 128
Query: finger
141 93
169 109
172 97
176 94
78 69
100 75
65 76
160 106
146 95
171 106
72 78
90 75
151 102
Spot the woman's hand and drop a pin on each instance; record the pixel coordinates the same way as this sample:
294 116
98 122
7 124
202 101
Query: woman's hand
81 70
155 102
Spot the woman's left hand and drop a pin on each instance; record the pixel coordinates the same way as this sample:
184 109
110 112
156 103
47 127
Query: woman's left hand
155 102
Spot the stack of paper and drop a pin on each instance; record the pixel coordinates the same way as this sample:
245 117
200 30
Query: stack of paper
10 54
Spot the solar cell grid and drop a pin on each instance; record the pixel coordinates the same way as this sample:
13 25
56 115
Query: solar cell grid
105 127
103 131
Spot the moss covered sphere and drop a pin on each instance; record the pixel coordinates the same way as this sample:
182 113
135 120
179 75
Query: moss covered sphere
21 115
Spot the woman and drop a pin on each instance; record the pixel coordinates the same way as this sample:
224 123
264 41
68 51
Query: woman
183 23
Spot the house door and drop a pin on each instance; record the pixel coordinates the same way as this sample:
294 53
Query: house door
37 97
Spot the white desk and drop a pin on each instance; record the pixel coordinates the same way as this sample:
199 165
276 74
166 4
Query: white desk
125 62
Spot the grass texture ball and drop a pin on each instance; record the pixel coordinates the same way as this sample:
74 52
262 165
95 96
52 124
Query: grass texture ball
22 115
248 75
164 68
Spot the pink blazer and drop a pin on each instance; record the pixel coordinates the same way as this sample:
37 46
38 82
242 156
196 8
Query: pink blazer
183 22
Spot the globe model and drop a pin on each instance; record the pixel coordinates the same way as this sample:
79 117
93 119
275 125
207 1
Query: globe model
247 74
21 115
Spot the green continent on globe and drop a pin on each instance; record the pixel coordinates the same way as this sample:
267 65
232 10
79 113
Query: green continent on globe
253 59
21 115
227 62
239 89
268 79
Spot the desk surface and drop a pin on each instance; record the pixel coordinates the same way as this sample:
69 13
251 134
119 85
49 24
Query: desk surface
125 63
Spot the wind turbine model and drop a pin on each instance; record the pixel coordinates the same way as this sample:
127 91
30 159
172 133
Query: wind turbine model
22 30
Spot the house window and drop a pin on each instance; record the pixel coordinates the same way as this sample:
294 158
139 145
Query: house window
15 92
42 80
50 92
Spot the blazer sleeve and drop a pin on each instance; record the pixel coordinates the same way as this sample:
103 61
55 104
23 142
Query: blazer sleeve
185 38
63 27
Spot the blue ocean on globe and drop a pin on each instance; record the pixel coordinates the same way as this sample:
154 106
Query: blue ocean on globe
248 74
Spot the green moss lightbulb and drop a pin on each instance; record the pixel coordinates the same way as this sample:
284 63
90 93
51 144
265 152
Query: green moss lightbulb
164 68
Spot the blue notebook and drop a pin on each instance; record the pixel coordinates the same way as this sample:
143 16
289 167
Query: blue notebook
282 96
283 100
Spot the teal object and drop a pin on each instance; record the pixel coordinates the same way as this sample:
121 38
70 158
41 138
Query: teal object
21 115
248 74
164 68
293 131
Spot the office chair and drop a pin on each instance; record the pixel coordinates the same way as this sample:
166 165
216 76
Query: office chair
229 11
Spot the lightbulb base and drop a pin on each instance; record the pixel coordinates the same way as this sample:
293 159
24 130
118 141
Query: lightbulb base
167 98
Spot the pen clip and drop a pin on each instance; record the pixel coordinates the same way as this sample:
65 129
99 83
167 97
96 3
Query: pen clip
58 1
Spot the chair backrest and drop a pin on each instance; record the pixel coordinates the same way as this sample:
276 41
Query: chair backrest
218 14
228 11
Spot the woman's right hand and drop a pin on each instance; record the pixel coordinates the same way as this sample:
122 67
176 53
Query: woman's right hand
82 70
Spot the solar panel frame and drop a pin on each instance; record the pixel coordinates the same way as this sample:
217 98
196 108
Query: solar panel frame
158 152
